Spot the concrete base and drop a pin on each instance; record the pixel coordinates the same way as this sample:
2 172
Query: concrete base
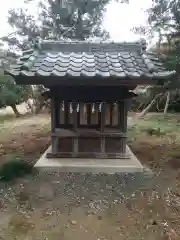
109 166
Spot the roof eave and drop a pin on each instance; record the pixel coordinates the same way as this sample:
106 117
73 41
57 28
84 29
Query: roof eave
110 81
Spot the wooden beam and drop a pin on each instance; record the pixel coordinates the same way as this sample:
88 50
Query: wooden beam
93 115
61 113
79 116
75 127
99 117
87 155
91 94
57 112
88 133
111 113
88 81
122 122
89 112
82 115
123 114
103 115
82 126
53 125
115 115
66 114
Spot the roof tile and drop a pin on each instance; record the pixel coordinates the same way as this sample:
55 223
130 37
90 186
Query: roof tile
90 59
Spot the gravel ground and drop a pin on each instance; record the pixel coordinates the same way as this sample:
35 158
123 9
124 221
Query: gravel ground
78 206
64 194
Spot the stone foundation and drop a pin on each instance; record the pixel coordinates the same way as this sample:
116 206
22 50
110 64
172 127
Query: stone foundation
130 165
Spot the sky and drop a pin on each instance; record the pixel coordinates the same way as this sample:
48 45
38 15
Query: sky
119 18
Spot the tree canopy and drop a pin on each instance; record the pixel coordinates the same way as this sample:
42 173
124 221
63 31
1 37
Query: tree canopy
12 94
58 19
164 20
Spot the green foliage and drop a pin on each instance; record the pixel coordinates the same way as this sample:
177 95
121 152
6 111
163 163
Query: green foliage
10 93
13 169
164 19
165 14
76 19
154 131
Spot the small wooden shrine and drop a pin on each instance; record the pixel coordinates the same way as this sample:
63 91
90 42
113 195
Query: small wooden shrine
89 122
90 85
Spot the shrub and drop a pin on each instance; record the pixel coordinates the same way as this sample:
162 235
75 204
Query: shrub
13 169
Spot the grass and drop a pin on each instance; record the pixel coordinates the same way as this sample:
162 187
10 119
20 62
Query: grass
155 140
22 142
14 168
8 121
8 117
158 125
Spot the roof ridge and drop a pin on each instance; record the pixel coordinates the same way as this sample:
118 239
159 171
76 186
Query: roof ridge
135 43
90 46
90 41
85 46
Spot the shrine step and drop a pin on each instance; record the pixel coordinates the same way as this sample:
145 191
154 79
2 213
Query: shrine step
110 166
87 155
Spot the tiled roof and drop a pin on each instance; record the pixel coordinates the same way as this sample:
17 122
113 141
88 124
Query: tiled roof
89 59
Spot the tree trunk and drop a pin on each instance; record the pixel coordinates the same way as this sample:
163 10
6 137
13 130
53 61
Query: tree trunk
139 107
30 106
145 111
79 27
167 103
39 106
14 108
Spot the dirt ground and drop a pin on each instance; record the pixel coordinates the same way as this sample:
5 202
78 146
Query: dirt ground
87 206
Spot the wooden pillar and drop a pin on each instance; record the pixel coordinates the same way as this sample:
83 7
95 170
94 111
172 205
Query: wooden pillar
66 114
61 113
122 123
54 122
78 115
75 126
94 117
115 114
82 113
103 115
89 112
99 115
111 114
57 112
